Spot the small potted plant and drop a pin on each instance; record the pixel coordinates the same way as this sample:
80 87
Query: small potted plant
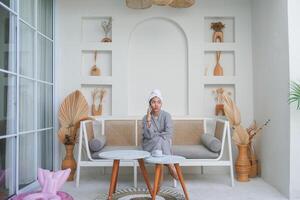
106 26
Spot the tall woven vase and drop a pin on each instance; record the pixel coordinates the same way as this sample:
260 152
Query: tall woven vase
242 164
69 161
253 161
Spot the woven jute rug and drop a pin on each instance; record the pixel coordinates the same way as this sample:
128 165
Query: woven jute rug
143 194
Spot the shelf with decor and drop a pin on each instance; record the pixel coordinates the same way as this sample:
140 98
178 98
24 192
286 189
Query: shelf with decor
96 67
96 63
92 93
219 64
219 29
211 94
96 29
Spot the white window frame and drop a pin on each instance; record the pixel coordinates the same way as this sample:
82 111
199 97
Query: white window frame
17 75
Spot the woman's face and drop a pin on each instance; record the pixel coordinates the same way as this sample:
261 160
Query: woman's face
155 104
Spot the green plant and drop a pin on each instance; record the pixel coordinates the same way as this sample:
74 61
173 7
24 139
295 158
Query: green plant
294 94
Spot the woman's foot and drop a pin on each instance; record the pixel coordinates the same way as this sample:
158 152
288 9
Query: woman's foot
172 171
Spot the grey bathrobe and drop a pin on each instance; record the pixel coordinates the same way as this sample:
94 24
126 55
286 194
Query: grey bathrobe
159 135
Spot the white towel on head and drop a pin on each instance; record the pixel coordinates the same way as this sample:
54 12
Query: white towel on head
155 93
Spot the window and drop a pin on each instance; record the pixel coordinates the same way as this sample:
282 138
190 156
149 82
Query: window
26 92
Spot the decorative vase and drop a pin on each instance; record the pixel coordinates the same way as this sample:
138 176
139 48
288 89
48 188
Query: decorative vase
220 110
69 161
98 111
218 35
253 161
95 71
242 164
106 39
218 71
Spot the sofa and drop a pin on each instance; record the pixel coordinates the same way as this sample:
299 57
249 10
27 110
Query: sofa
126 133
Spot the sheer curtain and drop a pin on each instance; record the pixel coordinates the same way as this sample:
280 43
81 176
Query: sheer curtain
26 96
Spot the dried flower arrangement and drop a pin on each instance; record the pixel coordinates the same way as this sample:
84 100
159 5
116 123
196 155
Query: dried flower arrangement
240 134
106 26
72 111
98 93
217 26
246 164
218 31
219 109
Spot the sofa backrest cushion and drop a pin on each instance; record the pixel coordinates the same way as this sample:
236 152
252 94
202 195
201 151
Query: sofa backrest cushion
120 132
219 129
186 132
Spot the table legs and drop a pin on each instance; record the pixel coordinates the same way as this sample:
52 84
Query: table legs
145 174
157 178
114 178
181 180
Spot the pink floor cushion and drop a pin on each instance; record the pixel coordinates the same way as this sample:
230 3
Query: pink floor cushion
62 195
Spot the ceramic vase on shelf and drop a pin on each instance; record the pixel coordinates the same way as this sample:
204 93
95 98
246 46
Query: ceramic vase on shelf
218 70
69 161
242 164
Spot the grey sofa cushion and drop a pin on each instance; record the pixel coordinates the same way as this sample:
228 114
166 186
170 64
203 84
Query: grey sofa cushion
194 152
95 155
96 144
211 142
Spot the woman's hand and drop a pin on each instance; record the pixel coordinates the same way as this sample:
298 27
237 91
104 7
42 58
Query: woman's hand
148 118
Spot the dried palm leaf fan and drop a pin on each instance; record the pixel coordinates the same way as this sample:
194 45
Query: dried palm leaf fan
73 109
182 3
240 135
139 4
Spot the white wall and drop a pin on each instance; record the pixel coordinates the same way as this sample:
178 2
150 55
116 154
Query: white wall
294 49
271 87
178 23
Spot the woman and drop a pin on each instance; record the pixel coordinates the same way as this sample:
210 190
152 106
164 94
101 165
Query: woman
158 128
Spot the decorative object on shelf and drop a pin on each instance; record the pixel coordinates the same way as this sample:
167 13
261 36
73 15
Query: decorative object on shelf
219 110
73 110
142 4
218 70
242 138
106 26
95 94
218 34
50 182
95 71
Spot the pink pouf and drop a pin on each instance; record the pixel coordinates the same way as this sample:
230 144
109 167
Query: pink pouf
62 195
50 183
